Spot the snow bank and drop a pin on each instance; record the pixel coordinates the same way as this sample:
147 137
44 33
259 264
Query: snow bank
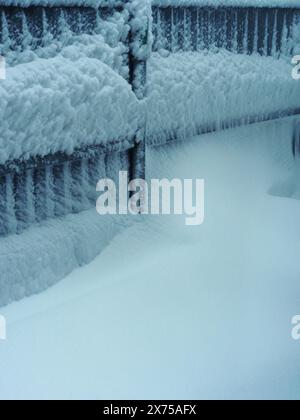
45 254
188 91
59 104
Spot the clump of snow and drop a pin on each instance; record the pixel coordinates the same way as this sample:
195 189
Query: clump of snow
62 103
45 254
190 91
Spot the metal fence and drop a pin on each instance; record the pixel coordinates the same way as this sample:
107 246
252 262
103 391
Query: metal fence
32 190
245 30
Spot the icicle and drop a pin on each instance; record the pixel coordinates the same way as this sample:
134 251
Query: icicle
11 219
47 37
62 181
86 187
274 35
211 30
294 38
49 192
246 34
255 38
174 33
112 167
266 35
24 199
97 171
30 207
188 31
79 185
6 40
200 39
235 32
3 206
223 43
26 35
159 44
44 193
284 38
63 29
185 31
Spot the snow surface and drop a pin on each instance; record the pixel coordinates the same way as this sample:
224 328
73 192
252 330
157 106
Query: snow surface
188 91
186 312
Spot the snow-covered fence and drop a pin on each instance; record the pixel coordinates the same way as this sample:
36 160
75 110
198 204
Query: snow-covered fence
64 57
196 26
54 143
223 63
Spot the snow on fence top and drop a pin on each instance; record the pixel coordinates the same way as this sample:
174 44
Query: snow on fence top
236 3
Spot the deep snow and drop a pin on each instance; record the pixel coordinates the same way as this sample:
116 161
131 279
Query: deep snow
186 312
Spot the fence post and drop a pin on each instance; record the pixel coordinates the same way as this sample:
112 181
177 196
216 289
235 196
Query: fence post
139 51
